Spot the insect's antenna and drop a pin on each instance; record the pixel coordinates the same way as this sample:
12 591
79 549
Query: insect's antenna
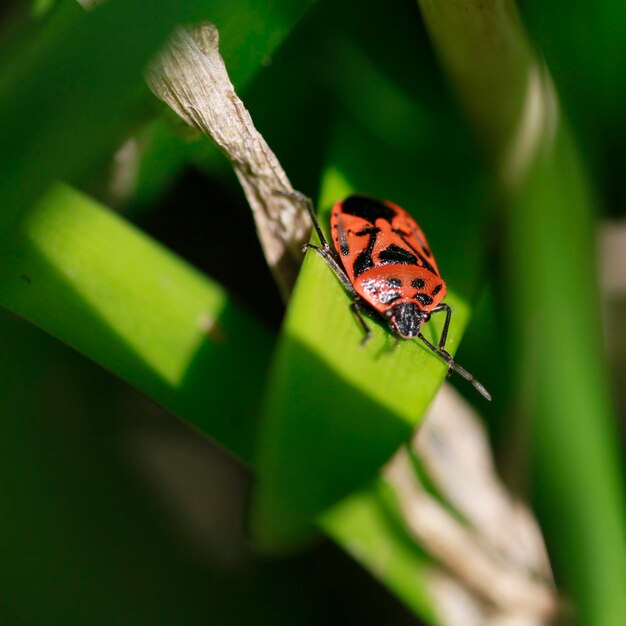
463 372
442 354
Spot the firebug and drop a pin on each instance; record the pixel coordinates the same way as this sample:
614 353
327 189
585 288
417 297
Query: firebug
383 260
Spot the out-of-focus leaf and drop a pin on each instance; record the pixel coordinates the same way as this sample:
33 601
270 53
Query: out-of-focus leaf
70 90
95 282
583 47
552 292
116 512
65 89
576 477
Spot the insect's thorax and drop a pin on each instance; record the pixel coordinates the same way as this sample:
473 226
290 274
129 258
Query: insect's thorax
388 285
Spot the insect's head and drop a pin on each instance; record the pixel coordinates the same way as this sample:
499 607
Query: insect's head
406 319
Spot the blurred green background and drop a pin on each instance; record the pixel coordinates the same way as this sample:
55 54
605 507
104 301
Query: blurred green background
116 506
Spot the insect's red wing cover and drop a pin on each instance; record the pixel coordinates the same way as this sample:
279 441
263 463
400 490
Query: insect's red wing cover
369 233
385 254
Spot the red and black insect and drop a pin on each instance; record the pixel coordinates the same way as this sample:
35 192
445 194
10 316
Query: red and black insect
384 262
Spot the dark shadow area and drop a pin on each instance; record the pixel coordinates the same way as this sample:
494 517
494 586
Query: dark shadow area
205 224
91 534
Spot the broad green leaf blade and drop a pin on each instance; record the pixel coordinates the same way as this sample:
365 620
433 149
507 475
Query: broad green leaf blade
336 411
90 279
355 404
343 429
72 137
576 473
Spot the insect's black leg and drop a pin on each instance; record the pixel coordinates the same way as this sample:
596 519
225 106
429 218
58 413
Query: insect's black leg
444 333
328 256
457 368
356 309
325 251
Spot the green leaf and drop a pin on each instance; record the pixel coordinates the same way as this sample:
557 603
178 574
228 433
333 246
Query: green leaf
577 44
576 474
90 279
250 32
336 411
67 87
68 92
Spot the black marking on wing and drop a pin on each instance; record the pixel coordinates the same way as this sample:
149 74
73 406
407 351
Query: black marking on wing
364 261
367 208
436 290
392 281
418 283
368 231
396 254
424 263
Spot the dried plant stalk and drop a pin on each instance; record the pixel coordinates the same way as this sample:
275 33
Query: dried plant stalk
495 555
190 76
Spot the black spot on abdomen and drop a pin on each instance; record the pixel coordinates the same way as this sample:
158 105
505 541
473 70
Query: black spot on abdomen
423 298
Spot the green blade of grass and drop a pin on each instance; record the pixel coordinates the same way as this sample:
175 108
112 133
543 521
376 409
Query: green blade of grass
336 411
64 91
576 475
326 392
250 32
90 526
70 90
553 296
93 281
581 42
